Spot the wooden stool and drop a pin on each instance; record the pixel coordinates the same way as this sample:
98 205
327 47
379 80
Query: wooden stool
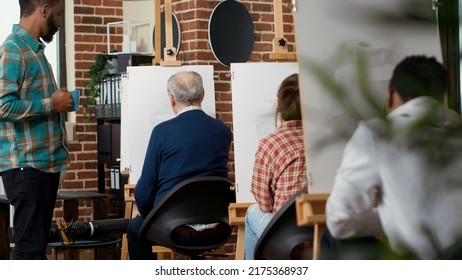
311 211
237 213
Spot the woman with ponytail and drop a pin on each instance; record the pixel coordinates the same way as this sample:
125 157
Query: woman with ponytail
279 168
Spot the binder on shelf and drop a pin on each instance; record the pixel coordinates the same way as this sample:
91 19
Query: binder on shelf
108 103
118 92
113 180
117 178
99 102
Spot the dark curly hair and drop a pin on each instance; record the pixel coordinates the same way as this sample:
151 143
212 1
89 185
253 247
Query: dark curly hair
419 75
29 6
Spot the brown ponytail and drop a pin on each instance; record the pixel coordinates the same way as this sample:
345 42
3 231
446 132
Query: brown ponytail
289 99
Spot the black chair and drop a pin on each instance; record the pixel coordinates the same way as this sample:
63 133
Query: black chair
200 200
282 234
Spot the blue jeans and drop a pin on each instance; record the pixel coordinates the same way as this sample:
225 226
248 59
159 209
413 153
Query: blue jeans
33 195
255 222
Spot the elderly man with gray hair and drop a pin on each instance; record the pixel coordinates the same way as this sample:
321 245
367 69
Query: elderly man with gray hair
189 145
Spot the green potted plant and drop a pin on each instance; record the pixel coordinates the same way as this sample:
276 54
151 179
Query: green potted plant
98 70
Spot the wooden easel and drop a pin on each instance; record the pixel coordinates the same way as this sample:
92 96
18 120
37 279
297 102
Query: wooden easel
280 49
170 51
236 212
157 57
311 211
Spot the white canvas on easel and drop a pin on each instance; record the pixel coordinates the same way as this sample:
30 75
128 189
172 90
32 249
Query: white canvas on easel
370 22
254 89
145 104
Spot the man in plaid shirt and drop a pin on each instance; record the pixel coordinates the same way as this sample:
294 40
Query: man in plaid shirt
33 144
279 169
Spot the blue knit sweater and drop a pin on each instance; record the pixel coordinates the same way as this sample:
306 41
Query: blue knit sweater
191 144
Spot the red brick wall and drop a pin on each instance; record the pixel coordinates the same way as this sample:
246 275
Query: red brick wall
91 17
194 16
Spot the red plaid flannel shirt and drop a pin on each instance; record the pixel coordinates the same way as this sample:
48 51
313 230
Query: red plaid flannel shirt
279 169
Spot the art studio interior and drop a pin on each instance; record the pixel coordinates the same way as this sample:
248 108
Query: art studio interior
118 57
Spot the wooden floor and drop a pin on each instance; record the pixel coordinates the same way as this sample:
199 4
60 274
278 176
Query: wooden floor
86 254
89 254
102 253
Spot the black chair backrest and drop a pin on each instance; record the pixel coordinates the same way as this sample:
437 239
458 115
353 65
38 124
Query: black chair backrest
200 200
282 234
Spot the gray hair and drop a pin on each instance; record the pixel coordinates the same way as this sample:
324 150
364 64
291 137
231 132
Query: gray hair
186 87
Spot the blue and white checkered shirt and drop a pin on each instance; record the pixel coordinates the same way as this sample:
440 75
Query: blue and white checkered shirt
31 134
